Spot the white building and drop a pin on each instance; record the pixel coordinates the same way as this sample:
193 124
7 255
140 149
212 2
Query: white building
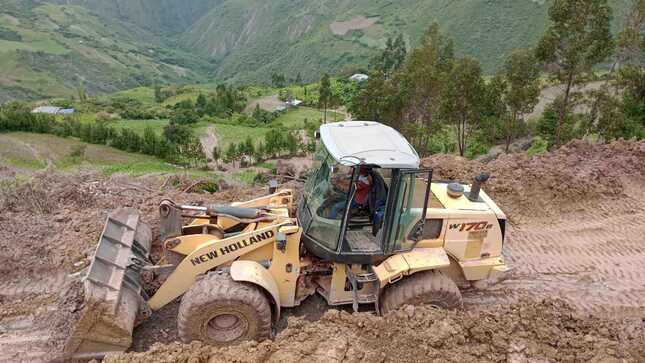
46 109
359 77
294 102
53 110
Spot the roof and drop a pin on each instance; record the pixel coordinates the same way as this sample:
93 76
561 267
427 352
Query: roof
368 142
294 102
46 109
359 77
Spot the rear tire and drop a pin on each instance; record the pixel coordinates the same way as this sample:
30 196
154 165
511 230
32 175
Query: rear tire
422 288
219 311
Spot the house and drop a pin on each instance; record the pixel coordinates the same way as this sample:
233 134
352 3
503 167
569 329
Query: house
66 111
52 110
359 77
294 103
46 109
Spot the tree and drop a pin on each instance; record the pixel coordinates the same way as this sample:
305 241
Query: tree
177 134
372 102
578 38
423 81
292 143
184 116
158 95
392 57
231 153
215 154
463 98
278 80
260 152
521 90
82 95
201 104
325 95
399 51
150 142
631 47
193 153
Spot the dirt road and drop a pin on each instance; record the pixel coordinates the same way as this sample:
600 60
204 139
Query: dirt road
268 103
209 141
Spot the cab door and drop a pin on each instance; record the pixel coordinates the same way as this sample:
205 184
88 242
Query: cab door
405 214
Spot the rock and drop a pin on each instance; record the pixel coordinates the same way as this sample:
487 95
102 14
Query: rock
409 310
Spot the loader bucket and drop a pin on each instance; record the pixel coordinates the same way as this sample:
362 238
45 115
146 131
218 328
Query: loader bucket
112 288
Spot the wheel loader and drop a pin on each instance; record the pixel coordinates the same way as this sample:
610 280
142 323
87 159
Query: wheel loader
370 230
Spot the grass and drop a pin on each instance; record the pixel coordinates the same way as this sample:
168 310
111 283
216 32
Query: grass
46 45
139 126
227 134
265 165
248 177
294 119
38 150
141 94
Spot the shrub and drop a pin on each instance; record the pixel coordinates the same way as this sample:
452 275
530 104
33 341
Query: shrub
78 151
539 146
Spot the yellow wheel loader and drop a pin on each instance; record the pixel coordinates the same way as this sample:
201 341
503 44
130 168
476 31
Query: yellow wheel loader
370 229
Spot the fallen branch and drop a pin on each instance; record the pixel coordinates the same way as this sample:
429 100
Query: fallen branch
191 186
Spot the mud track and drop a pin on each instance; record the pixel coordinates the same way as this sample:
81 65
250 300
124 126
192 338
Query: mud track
576 233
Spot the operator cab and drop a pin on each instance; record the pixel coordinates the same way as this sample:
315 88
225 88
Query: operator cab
359 205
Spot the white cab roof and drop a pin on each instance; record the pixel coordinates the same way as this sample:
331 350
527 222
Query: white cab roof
367 142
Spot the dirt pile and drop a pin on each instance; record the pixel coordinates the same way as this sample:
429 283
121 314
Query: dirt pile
573 177
546 330
49 229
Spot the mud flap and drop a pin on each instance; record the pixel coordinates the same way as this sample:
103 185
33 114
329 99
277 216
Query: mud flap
112 288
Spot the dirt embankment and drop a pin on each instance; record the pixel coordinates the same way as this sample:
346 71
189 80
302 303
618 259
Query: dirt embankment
524 331
574 177
578 221
49 228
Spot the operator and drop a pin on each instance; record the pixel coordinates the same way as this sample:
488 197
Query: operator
361 197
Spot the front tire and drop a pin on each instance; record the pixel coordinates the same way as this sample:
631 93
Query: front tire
422 288
219 311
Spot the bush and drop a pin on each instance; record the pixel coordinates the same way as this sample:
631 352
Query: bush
546 126
476 145
442 142
539 146
184 117
177 143
78 151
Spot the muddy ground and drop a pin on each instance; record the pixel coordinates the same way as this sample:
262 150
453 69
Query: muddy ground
525 331
576 234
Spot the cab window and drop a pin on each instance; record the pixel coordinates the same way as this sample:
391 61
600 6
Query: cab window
327 194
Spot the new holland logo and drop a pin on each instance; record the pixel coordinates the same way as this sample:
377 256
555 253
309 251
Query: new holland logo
235 246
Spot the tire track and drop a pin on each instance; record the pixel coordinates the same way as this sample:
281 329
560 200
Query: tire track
593 258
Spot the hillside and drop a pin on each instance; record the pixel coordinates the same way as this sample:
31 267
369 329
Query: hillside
53 50
50 47
251 39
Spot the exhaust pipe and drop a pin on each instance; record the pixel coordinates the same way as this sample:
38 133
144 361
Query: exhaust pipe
473 195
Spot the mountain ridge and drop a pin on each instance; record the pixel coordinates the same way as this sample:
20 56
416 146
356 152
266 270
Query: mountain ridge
53 47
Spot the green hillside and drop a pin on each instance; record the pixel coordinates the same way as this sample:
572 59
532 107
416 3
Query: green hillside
251 39
51 47
53 50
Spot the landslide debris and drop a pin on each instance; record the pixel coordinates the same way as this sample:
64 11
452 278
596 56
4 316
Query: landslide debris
574 177
548 330
49 229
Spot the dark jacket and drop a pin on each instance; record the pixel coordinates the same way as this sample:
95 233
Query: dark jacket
378 194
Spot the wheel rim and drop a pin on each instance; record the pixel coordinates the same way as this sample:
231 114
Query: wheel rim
227 327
